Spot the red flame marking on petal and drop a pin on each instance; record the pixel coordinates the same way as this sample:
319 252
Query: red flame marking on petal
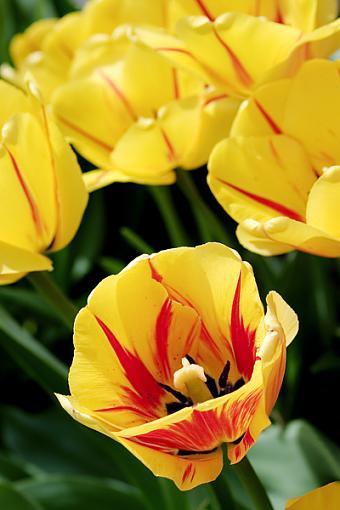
204 430
214 99
243 339
277 130
136 372
242 448
204 10
239 68
121 96
162 338
171 154
175 81
31 202
84 133
283 210
136 410
189 470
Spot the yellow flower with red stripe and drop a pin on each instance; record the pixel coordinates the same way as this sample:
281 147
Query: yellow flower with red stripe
137 117
174 356
278 175
327 496
42 194
305 15
238 52
47 48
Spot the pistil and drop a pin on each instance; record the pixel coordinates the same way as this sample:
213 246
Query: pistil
191 380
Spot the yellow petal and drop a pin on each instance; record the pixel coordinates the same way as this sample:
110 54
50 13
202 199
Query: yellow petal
185 472
323 209
220 287
244 174
12 101
29 194
308 14
16 262
96 179
285 232
31 40
213 8
252 235
237 50
327 496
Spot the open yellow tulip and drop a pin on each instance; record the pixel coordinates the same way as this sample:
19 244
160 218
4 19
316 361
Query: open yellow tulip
238 52
327 497
47 48
42 195
174 356
278 175
133 114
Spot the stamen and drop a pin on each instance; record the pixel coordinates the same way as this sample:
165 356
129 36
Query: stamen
177 394
173 407
239 383
210 382
223 380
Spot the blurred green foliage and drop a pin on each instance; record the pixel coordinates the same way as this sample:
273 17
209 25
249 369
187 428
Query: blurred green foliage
49 462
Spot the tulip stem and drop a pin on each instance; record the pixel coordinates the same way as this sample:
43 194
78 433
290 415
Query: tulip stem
63 307
253 485
208 224
162 197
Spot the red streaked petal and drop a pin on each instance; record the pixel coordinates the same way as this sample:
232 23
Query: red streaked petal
146 389
242 338
281 209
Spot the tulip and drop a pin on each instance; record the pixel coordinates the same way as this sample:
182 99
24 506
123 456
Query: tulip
305 15
131 113
278 175
47 48
237 52
327 496
42 195
174 356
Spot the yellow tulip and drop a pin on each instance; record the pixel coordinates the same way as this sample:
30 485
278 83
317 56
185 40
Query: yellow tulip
174 356
303 14
42 195
278 175
131 113
327 497
47 48
237 52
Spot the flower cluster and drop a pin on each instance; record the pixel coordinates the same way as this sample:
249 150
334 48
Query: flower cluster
175 356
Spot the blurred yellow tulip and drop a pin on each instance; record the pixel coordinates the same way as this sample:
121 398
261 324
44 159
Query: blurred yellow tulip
237 52
278 175
174 356
47 48
326 497
42 195
131 113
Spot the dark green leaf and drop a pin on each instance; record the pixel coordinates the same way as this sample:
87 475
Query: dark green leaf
12 499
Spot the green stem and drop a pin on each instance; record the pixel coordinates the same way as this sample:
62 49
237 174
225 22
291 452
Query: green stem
135 241
252 484
210 227
162 197
44 284
222 493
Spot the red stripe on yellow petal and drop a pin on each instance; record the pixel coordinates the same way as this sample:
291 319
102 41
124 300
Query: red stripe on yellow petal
162 338
281 209
239 68
239 451
119 93
31 202
189 473
276 129
214 99
204 430
175 83
147 391
123 408
171 154
243 339
84 133
204 10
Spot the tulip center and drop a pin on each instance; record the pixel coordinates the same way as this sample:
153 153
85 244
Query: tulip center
191 380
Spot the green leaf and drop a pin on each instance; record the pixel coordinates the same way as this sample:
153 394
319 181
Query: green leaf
81 493
33 357
135 241
294 460
13 469
12 499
